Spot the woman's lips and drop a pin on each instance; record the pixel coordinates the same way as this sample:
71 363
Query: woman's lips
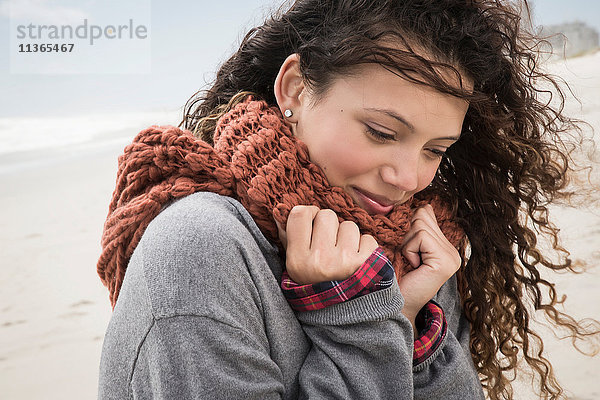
370 204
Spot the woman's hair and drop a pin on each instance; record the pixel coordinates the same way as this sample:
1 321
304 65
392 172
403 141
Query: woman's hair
513 159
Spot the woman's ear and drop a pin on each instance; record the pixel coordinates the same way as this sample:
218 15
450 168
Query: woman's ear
289 87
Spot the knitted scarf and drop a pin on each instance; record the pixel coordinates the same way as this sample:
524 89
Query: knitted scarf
256 160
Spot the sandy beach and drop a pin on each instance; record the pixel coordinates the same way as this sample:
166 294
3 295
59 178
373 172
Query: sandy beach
54 310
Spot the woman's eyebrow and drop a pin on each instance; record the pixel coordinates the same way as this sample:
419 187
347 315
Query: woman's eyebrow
394 115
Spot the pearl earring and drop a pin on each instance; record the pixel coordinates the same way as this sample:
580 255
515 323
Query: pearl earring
288 113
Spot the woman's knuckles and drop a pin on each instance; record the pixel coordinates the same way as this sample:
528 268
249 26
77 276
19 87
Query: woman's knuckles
302 212
422 212
348 229
327 215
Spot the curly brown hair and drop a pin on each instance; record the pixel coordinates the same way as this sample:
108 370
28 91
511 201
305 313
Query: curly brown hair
513 159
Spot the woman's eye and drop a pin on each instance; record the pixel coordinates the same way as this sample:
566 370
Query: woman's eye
378 135
437 153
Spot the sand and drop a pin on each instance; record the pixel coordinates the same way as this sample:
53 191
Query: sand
54 309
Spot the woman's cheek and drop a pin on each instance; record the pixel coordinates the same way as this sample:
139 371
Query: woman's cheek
427 177
345 160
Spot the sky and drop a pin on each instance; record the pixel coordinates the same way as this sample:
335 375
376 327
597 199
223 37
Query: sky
188 41
559 11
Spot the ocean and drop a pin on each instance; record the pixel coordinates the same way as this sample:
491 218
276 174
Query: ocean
31 142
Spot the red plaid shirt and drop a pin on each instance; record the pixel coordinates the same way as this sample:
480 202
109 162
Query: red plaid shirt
375 273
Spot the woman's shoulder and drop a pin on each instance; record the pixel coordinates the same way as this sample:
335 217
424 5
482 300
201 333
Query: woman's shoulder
202 248
205 217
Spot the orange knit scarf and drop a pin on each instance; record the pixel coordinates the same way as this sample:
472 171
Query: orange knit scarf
256 160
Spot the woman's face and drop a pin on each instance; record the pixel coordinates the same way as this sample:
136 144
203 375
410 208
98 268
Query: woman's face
379 137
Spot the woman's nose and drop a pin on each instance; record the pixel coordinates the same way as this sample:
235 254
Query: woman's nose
402 174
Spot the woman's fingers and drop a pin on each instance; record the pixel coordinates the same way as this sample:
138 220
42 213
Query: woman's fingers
367 246
324 230
428 250
320 248
282 234
424 218
299 227
425 248
413 248
348 236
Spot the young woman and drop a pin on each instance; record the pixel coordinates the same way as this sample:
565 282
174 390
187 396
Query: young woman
345 214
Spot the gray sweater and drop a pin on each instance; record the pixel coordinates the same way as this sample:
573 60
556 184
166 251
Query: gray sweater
201 315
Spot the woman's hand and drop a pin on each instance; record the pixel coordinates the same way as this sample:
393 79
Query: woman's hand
436 260
319 248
